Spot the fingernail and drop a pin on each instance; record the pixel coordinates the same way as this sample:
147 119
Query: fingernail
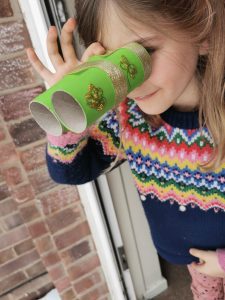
71 20
52 28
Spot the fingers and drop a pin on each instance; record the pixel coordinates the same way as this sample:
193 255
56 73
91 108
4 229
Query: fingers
199 253
93 49
38 66
67 40
52 48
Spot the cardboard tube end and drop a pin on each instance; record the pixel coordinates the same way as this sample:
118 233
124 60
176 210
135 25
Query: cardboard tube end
69 111
45 119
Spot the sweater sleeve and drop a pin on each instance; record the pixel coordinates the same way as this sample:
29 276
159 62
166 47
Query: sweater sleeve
221 257
79 158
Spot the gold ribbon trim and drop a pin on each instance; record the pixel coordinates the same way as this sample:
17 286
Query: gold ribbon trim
115 74
143 55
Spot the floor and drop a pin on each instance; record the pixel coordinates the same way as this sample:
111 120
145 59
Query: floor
179 281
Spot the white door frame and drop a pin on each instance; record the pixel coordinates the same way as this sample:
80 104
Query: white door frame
36 24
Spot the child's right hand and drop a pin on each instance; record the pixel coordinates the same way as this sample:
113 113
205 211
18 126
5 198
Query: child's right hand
70 61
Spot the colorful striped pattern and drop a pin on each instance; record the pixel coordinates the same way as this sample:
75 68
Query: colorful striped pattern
165 162
66 147
66 154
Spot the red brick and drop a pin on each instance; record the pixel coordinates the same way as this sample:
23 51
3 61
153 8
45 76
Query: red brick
16 105
58 199
68 295
29 212
44 244
24 247
21 262
96 293
7 207
13 221
62 284
37 229
6 297
6 9
6 255
26 132
106 297
4 192
50 259
23 193
12 281
13 175
41 181
83 267
71 236
35 270
2 134
43 290
33 158
63 219
57 272
87 282
13 237
7 153
15 72
14 37
76 252
1 178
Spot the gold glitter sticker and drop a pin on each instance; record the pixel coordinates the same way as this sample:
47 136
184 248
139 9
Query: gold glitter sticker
95 98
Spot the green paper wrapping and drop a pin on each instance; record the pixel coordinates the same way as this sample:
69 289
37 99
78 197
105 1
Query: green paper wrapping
79 106
92 89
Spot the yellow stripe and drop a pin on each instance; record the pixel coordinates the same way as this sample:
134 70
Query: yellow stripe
193 166
163 193
68 157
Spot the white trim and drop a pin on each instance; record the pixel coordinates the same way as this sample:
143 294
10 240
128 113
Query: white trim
114 226
88 197
37 27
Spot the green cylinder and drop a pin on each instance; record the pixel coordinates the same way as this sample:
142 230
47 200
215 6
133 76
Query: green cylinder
81 97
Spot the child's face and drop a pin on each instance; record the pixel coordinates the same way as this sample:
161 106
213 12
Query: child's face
173 80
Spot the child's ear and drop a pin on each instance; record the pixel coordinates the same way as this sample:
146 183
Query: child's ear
204 48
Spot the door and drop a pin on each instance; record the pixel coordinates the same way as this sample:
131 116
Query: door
138 250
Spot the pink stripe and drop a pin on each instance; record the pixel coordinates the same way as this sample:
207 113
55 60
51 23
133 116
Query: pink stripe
180 198
221 257
68 138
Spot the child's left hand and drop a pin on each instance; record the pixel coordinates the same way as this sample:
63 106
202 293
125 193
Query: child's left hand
209 263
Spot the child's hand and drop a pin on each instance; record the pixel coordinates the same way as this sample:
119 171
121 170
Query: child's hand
209 264
70 61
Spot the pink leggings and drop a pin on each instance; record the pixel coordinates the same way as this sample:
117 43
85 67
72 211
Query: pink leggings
205 287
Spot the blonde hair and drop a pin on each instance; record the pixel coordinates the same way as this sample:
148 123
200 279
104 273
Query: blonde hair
203 20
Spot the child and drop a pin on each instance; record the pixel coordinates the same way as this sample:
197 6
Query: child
171 129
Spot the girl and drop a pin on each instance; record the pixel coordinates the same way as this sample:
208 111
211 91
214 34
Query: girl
171 129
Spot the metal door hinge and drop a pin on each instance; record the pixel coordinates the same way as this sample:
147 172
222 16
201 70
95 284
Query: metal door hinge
122 257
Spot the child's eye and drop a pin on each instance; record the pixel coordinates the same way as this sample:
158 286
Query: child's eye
150 49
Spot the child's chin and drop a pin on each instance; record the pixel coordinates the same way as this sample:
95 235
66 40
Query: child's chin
151 110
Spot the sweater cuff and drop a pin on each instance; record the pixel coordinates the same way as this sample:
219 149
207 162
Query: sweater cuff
68 138
221 257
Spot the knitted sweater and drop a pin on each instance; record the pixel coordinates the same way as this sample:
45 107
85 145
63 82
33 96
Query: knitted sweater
184 206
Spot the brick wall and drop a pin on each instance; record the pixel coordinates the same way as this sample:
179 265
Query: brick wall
45 238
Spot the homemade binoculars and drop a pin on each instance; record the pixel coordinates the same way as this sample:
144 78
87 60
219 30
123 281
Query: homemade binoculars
81 97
